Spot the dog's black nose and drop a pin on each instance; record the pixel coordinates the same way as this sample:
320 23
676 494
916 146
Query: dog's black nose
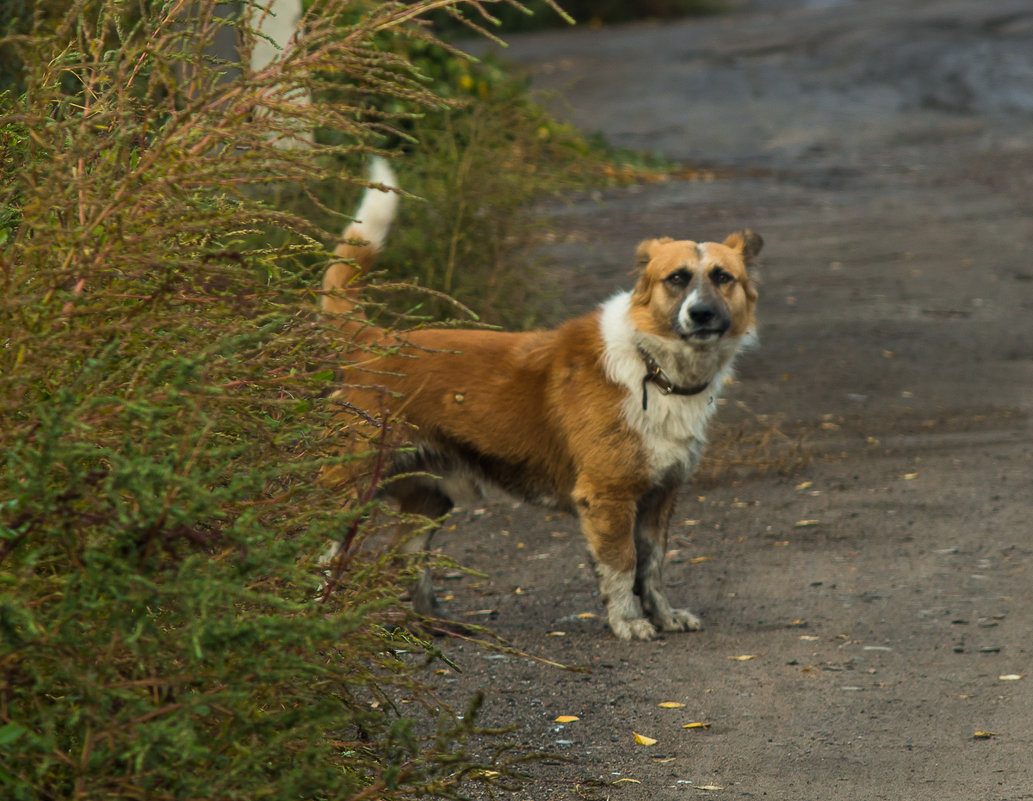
702 314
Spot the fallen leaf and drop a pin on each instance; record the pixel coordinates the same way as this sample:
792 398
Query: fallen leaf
480 612
587 615
690 523
798 622
697 725
984 735
670 705
909 476
708 787
805 523
665 760
743 657
780 544
809 637
567 718
635 781
641 739
1012 676
805 485
557 634
695 560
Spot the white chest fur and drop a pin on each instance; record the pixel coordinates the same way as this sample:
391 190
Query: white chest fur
673 427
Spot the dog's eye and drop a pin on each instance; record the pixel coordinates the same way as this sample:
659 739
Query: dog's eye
720 277
680 278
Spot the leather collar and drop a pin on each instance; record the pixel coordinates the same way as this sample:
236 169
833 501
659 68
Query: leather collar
667 387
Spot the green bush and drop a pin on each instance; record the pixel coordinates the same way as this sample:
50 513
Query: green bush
165 629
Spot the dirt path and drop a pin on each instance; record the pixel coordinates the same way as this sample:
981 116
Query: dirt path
884 590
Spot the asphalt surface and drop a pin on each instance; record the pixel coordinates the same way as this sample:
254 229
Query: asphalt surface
862 529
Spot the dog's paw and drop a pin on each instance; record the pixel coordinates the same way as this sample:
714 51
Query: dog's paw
636 628
680 620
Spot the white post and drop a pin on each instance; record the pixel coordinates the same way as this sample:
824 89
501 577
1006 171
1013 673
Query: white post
278 21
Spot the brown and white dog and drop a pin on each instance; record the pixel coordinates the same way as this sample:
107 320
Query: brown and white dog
604 416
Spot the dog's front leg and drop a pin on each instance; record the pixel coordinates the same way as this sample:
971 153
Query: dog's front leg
609 527
654 514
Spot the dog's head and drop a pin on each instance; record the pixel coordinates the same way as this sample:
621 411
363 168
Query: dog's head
698 292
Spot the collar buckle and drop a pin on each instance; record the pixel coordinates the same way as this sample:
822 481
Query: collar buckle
655 375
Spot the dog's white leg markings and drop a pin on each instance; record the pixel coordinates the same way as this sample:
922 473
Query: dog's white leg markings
617 590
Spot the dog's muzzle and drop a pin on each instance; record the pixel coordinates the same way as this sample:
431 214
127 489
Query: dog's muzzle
703 322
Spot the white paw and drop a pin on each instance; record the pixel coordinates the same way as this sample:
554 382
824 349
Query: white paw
681 620
636 628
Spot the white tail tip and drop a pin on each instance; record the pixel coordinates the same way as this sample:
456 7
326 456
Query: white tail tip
377 211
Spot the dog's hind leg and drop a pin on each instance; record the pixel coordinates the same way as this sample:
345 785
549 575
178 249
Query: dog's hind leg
654 514
424 499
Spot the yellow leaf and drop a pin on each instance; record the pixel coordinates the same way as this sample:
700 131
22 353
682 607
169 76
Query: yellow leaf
809 637
1012 676
708 787
798 622
984 735
557 634
909 476
743 657
697 559
641 739
567 718
665 760
805 485
587 615
636 781
697 725
805 523
670 705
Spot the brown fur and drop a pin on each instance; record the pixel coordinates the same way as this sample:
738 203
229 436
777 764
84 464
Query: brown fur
541 415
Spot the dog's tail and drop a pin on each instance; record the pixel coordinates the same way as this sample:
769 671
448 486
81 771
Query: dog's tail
361 241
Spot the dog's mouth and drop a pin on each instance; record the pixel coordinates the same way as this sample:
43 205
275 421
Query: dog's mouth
709 334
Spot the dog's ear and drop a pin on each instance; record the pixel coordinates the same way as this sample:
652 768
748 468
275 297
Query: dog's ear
644 252
747 242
